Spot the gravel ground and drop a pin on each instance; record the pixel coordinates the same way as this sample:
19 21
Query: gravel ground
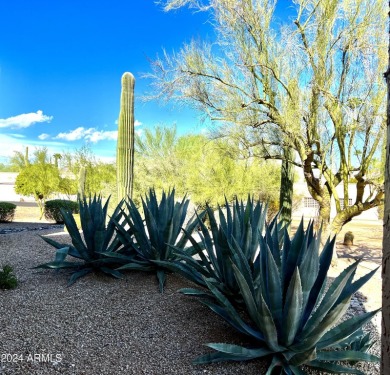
105 326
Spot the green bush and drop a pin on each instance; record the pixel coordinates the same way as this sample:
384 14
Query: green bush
7 211
289 311
53 209
7 278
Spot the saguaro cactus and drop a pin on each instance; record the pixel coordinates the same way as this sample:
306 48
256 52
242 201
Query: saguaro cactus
82 180
125 145
26 161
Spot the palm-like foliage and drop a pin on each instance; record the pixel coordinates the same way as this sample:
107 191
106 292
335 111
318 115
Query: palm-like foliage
89 249
292 316
149 240
236 235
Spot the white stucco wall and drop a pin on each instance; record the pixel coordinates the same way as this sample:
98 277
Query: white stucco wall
301 191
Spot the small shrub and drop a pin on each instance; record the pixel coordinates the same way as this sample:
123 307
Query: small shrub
7 278
7 211
53 209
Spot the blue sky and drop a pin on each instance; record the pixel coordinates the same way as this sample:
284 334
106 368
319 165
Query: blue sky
61 63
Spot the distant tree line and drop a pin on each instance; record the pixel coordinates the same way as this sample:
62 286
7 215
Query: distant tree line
206 169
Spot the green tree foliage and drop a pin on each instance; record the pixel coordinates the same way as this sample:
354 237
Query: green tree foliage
44 175
155 160
37 177
39 180
17 161
312 83
100 177
7 168
205 169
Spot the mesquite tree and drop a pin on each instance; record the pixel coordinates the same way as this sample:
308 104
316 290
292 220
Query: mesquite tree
311 83
125 145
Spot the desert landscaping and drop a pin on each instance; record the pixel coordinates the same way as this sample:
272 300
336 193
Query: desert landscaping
104 326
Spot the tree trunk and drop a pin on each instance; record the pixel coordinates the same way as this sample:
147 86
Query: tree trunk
26 161
286 187
324 213
345 216
385 361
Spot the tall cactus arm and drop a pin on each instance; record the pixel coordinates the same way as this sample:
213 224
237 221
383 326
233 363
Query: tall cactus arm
125 145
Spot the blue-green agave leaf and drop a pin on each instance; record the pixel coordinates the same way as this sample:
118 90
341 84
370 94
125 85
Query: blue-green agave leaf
53 243
60 265
238 350
137 267
356 285
334 368
228 308
346 355
161 277
299 359
234 320
78 274
215 357
322 327
73 231
112 272
195 292
345 329
309 267
259 312
315 294
274 288
329 300
292 309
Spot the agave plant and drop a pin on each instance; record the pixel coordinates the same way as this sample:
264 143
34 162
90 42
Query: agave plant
239 227
89 249
291 311
150 240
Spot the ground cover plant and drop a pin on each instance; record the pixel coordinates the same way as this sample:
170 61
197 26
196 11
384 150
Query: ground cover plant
8 279
89 250
290 315
7 211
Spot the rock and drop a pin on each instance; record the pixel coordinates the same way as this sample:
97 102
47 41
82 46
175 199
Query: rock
348 239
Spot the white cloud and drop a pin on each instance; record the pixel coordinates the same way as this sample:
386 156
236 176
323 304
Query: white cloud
9 144
43 136
97 136
92 134
24 120
17 135
73 135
